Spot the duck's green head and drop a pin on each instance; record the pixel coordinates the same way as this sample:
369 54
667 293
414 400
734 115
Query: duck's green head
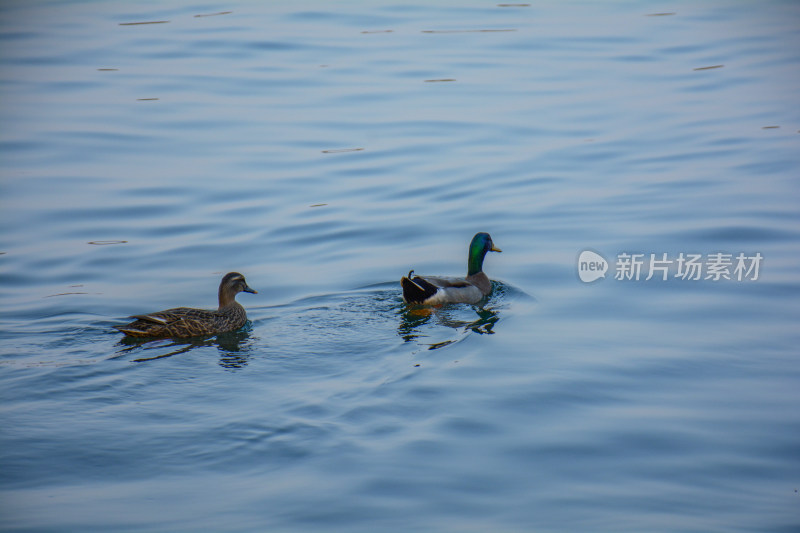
480 245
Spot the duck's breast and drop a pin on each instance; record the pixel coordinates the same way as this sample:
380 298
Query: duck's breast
231 318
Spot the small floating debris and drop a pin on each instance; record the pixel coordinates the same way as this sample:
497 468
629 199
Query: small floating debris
342 150
107 69
441 80
770 127
317 205
213 14
466 31
140 23
378 31
513 5
106 243
64 294
660 14
146 99
709 68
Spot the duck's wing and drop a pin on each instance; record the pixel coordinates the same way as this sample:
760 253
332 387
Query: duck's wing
445 282
170 316
177 322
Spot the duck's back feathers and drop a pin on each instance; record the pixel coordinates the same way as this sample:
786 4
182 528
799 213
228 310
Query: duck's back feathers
168 316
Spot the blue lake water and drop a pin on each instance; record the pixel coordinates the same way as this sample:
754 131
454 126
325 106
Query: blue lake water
324 149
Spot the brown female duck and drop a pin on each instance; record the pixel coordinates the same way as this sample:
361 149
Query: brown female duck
188 322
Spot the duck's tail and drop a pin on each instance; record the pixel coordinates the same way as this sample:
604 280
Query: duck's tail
417 290
131 331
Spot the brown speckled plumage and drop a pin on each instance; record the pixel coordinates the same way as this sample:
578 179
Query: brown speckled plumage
188 322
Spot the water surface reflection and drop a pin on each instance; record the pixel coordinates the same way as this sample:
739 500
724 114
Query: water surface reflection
425 322
233 347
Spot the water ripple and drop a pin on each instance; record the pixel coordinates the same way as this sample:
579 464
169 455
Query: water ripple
323 152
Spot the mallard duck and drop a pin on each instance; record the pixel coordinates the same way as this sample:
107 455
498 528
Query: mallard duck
188 322
437 290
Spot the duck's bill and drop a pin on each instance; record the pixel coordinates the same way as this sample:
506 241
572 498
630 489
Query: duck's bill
495 249
251 291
